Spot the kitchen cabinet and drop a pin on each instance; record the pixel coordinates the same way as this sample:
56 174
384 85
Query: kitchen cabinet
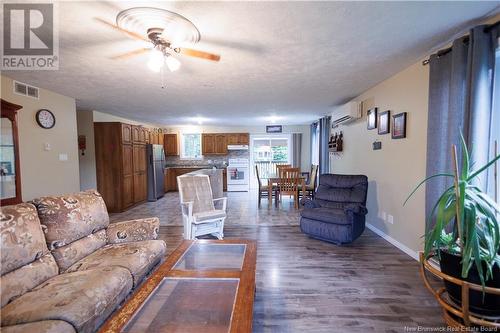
207 144
220 144
172 173
170 145
214 144
238 138
121 165
126 133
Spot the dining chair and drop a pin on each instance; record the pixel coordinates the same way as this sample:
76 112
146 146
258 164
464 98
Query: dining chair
263 189
281 166
289 184
311 185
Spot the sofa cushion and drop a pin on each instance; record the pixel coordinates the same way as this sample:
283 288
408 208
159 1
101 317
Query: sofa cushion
138 257
69 254
27 277
71 217
21 236
328 215
45 326
133 230
83 299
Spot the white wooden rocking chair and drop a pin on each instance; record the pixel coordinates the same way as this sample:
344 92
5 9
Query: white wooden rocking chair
199 215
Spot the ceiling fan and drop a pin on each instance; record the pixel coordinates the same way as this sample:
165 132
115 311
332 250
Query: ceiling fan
168 32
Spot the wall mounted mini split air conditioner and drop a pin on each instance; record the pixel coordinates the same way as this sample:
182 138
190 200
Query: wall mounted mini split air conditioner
346 113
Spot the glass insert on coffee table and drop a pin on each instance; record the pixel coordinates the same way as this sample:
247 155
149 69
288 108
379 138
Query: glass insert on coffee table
203 286
212 257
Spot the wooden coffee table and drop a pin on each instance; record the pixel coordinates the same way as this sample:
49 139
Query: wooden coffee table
203 286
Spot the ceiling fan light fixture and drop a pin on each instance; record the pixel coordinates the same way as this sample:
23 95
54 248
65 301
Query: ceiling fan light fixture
175 28
156 60
172 63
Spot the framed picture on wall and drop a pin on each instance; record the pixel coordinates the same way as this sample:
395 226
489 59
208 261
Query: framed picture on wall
371 118
399 126
384 122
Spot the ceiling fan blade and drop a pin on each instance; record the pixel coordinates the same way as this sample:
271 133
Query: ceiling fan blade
114 26
131 54
200 54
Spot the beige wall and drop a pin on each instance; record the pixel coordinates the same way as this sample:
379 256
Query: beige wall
85 125
42 173
400 165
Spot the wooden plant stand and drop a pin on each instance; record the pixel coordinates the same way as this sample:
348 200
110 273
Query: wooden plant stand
457 316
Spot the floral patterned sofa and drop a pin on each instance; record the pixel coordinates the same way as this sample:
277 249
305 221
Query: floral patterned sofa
64 268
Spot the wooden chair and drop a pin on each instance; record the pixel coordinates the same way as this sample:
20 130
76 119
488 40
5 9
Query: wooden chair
289 184
263 189
281 166
311 185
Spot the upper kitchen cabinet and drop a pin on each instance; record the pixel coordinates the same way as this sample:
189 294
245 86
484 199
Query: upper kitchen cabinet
220 144
126 133
170 145
208 144
214 144
140 135
238 138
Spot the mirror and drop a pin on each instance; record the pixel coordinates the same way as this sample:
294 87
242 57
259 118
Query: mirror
10 179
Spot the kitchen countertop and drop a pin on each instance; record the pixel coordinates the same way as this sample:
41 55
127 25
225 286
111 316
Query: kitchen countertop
192 167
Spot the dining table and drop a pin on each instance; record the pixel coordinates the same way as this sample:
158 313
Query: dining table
273 179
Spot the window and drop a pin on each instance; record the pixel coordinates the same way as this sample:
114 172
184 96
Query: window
191 145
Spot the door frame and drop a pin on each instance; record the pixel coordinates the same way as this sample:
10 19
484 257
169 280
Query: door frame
287 136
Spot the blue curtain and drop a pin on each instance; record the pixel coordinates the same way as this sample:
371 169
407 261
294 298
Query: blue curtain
324 137
460 99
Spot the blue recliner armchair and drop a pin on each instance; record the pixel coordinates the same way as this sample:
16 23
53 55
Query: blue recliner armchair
337 213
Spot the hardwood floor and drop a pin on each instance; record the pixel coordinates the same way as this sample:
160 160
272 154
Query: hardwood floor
306 285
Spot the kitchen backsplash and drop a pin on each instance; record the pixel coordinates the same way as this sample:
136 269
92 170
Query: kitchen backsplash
216 160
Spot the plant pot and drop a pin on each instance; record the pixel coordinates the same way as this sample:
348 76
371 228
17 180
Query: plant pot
490 306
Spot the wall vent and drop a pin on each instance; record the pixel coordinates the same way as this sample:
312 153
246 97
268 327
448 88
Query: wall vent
25 90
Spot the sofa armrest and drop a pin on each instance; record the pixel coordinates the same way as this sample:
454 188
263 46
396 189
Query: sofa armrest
308 203
355 209
133 230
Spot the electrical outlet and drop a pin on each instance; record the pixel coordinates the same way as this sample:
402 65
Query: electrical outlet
390 219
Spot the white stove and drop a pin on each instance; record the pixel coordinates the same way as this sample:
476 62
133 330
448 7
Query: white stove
238 175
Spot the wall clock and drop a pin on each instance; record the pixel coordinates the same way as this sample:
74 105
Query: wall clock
45 119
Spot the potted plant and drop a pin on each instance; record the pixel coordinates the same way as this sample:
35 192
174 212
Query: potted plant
466 236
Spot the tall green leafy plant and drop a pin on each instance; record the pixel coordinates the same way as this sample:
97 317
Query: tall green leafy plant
475 235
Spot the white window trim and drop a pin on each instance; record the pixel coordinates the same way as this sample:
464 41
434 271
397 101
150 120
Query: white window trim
182 156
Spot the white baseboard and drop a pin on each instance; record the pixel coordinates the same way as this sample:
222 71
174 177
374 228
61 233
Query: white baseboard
394 242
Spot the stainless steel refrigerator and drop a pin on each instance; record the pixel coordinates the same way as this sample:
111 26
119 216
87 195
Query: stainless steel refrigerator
156 172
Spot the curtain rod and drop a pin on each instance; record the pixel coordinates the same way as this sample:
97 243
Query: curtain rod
466 40
444 51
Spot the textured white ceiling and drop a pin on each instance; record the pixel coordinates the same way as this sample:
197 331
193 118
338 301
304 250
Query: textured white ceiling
293 60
